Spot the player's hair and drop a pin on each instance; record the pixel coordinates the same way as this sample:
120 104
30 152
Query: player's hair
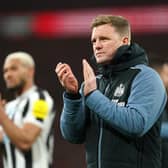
24 57
121 24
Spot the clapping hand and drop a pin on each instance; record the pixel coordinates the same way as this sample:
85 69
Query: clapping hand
67 78
89 78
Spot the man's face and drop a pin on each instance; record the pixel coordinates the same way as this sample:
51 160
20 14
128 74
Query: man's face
106 41
15 74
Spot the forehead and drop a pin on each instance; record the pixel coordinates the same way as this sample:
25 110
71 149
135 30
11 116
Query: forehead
12 62
103 30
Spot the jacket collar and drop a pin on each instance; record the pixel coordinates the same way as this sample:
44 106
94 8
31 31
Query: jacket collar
125 57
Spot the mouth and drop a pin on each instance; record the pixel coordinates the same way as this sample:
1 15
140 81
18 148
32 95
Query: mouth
9 82
99 54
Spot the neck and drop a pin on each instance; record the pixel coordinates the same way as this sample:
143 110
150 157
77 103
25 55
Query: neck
23 89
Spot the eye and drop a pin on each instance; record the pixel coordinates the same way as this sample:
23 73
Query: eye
104 39
93 41
4 71
14 68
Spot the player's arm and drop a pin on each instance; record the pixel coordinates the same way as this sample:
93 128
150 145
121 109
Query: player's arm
22 137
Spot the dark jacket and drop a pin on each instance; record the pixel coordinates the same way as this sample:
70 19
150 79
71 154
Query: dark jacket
121 122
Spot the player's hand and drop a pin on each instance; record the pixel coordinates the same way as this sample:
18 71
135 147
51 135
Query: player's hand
89 78
66 77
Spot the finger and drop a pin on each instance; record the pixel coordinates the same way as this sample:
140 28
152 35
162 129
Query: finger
66 76
85 72
89 68
62 69
62 74
88 71
58 67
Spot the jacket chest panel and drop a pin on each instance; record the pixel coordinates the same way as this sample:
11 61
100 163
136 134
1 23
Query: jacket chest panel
117 87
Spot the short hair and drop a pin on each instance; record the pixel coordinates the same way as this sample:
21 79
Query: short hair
120 23
24 57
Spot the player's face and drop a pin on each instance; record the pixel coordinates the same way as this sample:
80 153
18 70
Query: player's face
105 41
15 74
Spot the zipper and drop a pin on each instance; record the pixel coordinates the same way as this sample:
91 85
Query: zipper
99 143
101 134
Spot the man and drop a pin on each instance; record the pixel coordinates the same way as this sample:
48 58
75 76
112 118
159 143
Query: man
26 121
117 113
162 67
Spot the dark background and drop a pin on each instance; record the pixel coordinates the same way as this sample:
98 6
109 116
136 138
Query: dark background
42 5
47 52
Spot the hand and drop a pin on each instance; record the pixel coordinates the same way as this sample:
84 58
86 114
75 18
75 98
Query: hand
66 77
89 78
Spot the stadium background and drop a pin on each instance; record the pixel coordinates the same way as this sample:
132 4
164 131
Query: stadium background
59 31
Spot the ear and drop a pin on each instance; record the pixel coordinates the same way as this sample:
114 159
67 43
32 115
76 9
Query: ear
125 40
31 72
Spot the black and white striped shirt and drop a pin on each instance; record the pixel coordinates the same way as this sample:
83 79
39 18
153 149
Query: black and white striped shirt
36 107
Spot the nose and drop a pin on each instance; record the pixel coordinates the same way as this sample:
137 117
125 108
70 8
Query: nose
7 74
98 44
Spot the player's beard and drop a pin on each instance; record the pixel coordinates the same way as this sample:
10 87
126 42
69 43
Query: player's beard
17 89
